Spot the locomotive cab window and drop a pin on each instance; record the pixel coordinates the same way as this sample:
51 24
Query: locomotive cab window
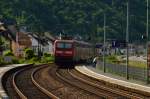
67 45
60 45
64 45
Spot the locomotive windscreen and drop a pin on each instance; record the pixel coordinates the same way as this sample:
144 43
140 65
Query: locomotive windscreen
63 45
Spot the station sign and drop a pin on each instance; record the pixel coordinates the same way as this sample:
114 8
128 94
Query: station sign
118 43
99 45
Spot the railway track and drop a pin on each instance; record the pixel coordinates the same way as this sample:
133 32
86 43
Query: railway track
61 88
48 82
61 80
19 85
85 85
122 93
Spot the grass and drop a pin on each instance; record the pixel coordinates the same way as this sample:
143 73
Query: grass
113 60
34 60
138 64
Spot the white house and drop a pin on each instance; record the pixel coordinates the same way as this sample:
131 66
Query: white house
42 44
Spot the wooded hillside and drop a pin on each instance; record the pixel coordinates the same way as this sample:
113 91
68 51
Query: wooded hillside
83 17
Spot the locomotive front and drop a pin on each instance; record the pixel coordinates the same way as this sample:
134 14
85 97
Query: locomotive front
63 50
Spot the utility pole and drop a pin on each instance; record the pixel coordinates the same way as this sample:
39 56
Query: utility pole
104 44
127 41
147 49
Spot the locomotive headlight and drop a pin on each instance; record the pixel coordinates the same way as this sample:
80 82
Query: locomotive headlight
59 52
68 52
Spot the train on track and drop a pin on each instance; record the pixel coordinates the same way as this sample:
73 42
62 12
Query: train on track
70 52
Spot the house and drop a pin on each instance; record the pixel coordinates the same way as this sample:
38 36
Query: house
39 44
42 44
22 41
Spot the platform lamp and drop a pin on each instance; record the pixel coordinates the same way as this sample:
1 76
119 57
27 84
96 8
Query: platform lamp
127 41
104 44
147 38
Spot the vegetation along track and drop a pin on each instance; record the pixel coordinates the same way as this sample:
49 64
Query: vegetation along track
18 84
122 92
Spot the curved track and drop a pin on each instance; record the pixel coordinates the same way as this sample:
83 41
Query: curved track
60 87
19 84
46 81
86 85
120 91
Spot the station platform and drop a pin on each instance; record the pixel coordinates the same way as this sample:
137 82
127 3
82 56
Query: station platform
114 79
3 70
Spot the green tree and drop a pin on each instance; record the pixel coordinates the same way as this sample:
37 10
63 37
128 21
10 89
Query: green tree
78 16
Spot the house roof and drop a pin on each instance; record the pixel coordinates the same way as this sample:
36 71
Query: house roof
41 39
5 31
9 31
49 37
8 35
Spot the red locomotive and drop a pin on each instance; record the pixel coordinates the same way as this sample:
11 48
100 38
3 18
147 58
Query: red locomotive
69 52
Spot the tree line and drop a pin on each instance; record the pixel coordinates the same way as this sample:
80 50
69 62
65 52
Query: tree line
82 17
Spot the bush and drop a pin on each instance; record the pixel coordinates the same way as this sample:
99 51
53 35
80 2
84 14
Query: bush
29 53
1 60
21 60
47 58
15 61
34 60
47 55
8 53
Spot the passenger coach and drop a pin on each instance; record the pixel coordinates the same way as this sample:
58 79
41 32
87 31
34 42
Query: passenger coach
72 51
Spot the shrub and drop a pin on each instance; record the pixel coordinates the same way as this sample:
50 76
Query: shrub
47 58
21 60
34 60
8 53
15 61
1 60
47 55
29 53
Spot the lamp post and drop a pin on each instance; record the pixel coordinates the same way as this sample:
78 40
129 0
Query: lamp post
127 41
104 44
147 25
